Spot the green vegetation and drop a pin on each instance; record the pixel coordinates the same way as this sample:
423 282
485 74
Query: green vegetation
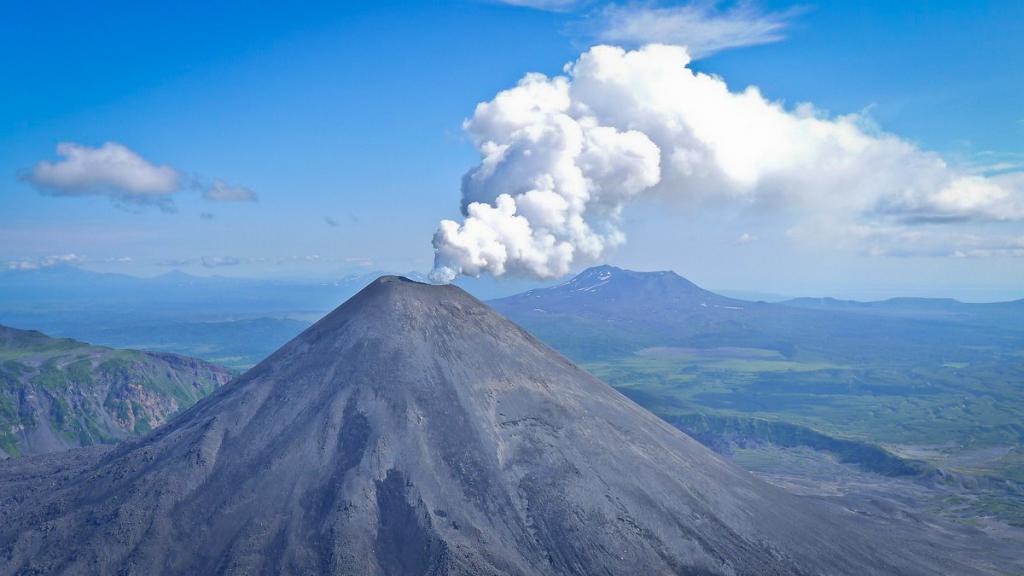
974 407
26 344
889 416
60 393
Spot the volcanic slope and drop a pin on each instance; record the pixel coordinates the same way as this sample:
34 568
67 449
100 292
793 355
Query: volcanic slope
416 431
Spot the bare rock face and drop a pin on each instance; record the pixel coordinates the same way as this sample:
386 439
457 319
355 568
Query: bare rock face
416 431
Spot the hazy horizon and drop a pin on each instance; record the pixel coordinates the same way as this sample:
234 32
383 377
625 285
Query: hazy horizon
501 286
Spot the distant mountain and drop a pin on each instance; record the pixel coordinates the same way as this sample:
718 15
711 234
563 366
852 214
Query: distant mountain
414 431
603 290
605 311
58 393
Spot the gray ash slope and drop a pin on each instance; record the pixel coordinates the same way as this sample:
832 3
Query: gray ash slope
416 431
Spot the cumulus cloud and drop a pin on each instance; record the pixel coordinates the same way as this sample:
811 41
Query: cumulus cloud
562 156
116 171
111 170
745 238
222 192
703 27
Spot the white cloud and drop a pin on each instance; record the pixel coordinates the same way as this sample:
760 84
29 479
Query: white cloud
220 261
549 186
560 158
44 262
118 260
299 258
1011 248
222 192
110 170
115 171
550 5
745 238
702 26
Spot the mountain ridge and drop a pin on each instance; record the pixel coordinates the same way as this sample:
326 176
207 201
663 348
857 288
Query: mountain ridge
61 393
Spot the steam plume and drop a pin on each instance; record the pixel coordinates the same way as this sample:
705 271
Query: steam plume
562 156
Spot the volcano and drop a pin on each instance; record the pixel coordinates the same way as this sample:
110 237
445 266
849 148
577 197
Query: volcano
415 431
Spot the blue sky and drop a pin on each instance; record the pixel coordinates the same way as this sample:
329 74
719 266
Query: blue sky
344 120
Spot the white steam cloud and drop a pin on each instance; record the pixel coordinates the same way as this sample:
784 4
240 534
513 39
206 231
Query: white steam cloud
560 158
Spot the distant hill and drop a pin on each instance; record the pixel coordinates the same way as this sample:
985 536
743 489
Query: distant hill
1007 315
61 393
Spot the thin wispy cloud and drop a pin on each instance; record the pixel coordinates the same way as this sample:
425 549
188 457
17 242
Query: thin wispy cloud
1007 247
745 238
704 28
43 262
220 191
220 261
300 258
176 262
331 222
550 5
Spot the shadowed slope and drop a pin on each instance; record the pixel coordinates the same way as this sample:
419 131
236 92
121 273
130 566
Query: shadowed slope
416 431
